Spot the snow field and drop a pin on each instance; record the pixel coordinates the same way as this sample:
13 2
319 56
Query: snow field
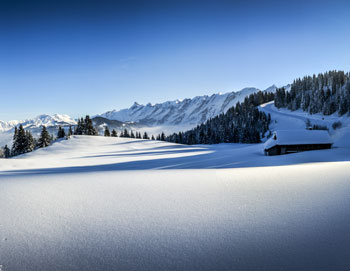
96 203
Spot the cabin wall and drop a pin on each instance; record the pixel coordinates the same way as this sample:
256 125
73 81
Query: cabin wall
284 149
273 151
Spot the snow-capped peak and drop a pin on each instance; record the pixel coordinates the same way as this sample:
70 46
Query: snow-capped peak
187 111
271 88
37 122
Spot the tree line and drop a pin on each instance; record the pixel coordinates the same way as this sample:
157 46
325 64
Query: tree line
24 142
132 134
326 93
242 123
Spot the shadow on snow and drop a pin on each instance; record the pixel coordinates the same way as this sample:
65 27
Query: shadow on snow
224 157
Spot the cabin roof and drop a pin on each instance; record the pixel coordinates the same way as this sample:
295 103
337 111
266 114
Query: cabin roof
298 137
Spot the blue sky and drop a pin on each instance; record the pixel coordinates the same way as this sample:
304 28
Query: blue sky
87 57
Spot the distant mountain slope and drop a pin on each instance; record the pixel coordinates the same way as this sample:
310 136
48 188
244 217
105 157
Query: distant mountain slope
285 119
34 125
37 122
182 112
170 117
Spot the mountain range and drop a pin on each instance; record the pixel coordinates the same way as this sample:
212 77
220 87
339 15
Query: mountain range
177 114
181 112
37 122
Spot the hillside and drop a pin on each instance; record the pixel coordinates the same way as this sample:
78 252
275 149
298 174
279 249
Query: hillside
113 203
325 93
168 117
284 119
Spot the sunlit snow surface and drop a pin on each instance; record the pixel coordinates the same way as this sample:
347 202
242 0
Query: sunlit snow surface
95 203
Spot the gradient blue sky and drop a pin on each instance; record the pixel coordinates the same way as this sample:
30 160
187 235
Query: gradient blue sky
87 57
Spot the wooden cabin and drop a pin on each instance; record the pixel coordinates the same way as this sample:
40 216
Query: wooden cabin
291 141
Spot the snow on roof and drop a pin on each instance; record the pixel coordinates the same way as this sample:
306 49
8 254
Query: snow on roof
298 137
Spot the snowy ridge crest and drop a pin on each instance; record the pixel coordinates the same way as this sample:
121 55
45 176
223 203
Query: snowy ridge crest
182 112
37 122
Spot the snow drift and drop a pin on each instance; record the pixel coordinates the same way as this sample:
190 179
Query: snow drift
95 203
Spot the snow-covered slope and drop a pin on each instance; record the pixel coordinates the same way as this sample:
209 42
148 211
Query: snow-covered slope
182 112
284 119
97 203
38 121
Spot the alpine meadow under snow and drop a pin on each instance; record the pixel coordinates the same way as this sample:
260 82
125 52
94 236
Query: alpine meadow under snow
159 135
89 202
133 204
127 204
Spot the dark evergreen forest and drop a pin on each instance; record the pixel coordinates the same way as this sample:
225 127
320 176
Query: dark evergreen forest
325 93
242 123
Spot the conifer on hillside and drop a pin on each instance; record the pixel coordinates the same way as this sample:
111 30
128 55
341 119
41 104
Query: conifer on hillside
70 131
325 93
106 132
114 133
61 133
7 152
242 123
19 145
44 139
162 137
125 133
89 129
30 141
145 135
80 128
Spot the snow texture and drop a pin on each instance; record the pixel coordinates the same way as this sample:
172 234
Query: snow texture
101 203
97 203
284 119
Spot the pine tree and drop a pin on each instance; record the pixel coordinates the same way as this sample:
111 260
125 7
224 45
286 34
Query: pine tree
15 133
145 135
82 126
126 133
79 129
61 133
153 137
14 144
7 152
19 145
114 133
44 139
88 127
107 133
70 131
132 134
30 141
